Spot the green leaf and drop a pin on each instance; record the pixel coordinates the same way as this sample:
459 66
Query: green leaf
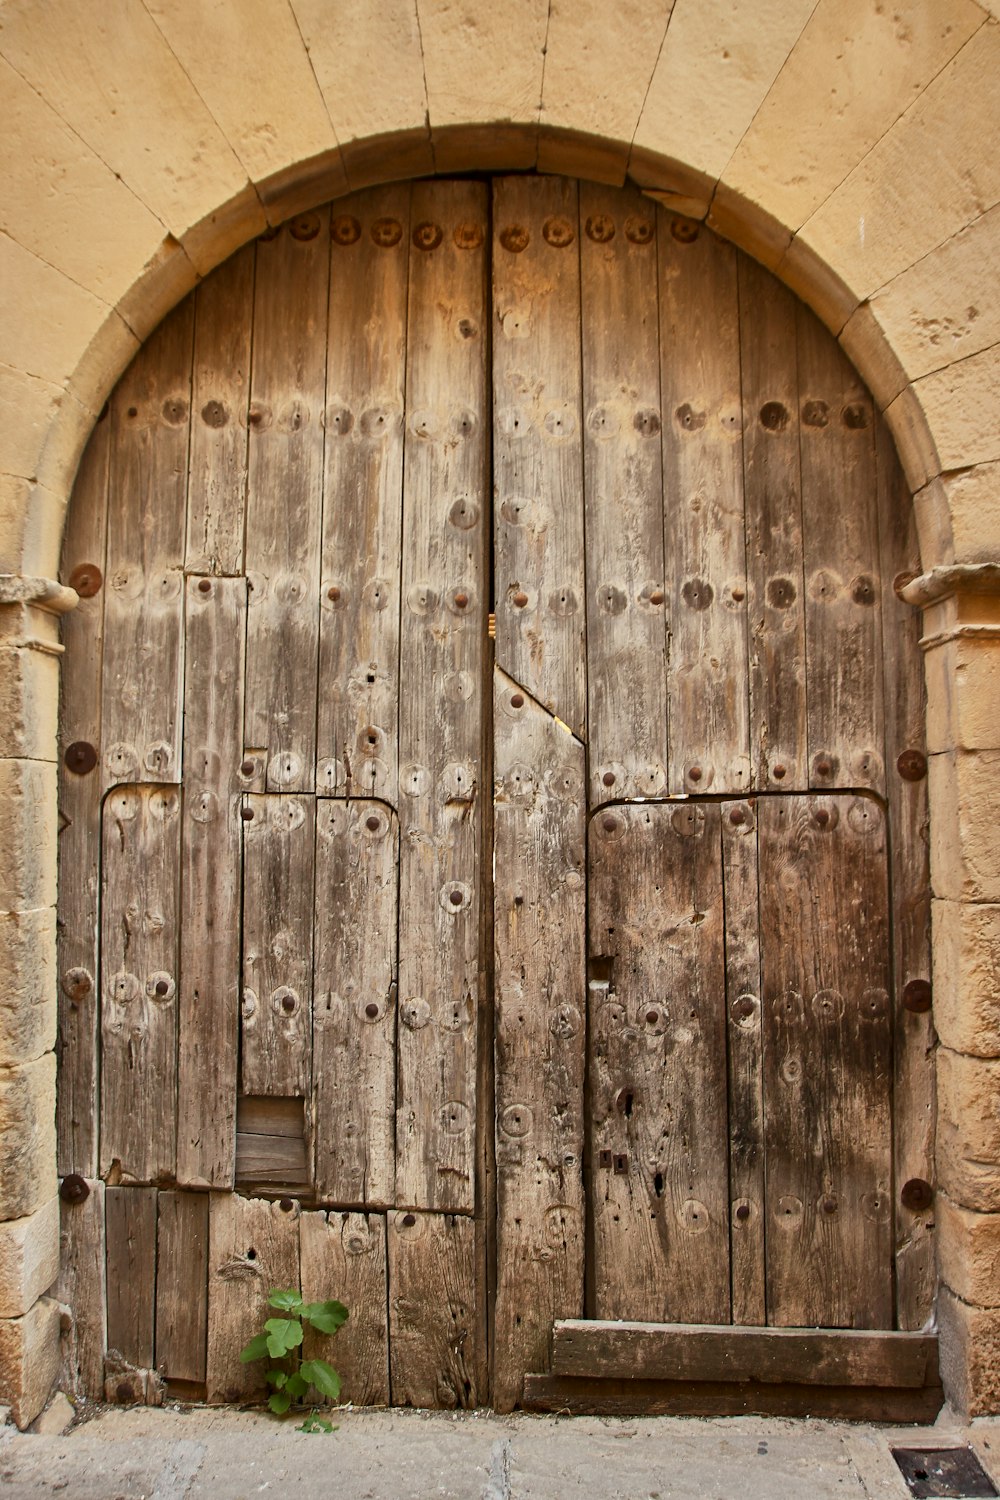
326 1316
256 1349
322 1376
287 1301
283 1334
296 1385
313 1423
277 1378
279 1402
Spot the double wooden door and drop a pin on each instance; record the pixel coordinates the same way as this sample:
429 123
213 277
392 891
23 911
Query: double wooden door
484 1005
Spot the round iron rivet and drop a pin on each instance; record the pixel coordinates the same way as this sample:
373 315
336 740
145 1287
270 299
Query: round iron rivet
695 773
205 586
609 825
520 600
455 898
912 765
822 817
248 767
333 594
652 1016
779 773
823 768
917 996
287 1004
685 231
372 824
246 813
286 1205
737 816
738 596
829 1205
427 236
80 757
73 1188
86 580
517 701
656 597
461 600
162 986
743 1212
514 238
917 1195
409 1220
608 778
371 1011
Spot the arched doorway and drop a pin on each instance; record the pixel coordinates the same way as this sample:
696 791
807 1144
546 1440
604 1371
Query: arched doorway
640 1037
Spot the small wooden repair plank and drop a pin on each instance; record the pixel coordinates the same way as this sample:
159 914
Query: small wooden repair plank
182 1286
211 849
435 1338
623 478
704 538
445 585
660 1398
139 911
778 741
362 512
538 443
354 1017
81 1287
843 603
277 944
284 498
220 393
271 1150
80 786
343 1255
787 1356
130 1218
540 934
827 1061
657 1064
144 593
253 1250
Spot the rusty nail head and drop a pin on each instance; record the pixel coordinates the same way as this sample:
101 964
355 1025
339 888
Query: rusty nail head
917 1195
248 767
829 1204
409 1220
743 1212
737 816
779 772
286 1205
372 824
608 778
287 1004
822 816
371 1010
246 813
73 1188
823 768
609 825
333 593
656 597
744 1006
652 1016
917 996
162 986
205 585
86 580
461 600
520 600
912 765
455 898
80 757
695 773
517 701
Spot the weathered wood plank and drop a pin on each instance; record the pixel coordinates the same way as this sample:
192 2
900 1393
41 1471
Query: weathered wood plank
704 535
538 443
278 867
649 1351
80 785
211 850
139 940
778 741
747 1218
540 1050
343 1256
271 1147
144 595
220 393
354 1017
435 1338
253 1249
443 642
284 498
358 715
659 1398
81 1287
843 615
130 1218
182 1285
827 1061
657 1064
626 627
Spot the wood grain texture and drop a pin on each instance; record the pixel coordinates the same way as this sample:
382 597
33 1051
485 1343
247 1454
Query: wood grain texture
253 1248
661 1398
435 1338
343 1255
81 1287
211 850
130 1220
827 1061
354 1018
657 1065
272 1153
540 1031
139 967
538 443
278 917
362 512
626 630
182 1285
443 642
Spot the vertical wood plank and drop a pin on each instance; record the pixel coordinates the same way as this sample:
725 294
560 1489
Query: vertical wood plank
626 630
443 641
746 1084
354 1018
278 915
827 1061
81 1287
77 930
253 1249
182 1285
905 729
540 947
434 1340
284 498
217 469
704 531
144 595
343 1256
358 715
130 1215
657 1065
538 444
211 876
774 529
843 615
139 908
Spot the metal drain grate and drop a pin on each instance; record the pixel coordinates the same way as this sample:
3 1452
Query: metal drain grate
943 1472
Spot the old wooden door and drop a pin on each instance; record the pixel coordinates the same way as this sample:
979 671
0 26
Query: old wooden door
637 1036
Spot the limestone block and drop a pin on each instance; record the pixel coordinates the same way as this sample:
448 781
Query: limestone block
27 984
575 153
27 834
853 71
27 1137
394 157
968 1129
963 694
811 279
29 701
933 518
27 407
108 354
717 63
970 1355
914 441
57 1418
29 1259
968 1251
295 189
63 445
31 519
482 148
966 950
598 63
483 62
164 280
748 226
225 230
371 73
864 341
107 70
46 320
973 500
962 405
926 179
29 1360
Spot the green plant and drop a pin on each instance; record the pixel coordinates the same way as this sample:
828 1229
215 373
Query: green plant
281 1341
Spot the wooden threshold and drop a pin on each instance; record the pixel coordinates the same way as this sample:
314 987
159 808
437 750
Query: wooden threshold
673 1398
